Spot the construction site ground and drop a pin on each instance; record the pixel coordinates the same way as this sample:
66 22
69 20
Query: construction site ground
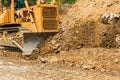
88 48
83 64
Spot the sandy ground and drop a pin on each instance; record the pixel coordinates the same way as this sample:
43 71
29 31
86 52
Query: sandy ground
23 70
20 69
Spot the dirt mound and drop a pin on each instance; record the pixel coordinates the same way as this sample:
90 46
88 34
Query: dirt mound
83 27
85 10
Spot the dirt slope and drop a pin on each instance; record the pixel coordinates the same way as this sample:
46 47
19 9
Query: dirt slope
85 10
83 27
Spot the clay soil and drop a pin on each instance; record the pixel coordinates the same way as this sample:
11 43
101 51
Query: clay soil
84 64
85 50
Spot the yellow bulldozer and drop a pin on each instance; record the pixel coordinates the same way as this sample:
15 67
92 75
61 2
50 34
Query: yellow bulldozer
27 27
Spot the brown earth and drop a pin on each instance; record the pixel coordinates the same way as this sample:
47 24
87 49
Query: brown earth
83 28
12 69
85 44
83 64
100 59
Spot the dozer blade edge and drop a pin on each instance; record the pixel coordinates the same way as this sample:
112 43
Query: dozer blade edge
32 40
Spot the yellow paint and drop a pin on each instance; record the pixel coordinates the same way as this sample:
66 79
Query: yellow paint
8 16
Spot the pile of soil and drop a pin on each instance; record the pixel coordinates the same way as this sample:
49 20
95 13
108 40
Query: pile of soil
89 10
83 28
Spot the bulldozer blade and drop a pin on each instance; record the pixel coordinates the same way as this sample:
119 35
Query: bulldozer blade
32 40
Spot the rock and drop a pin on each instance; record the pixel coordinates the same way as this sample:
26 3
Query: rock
71 64
43 60
87 66
57 46
103 70
77 65
79 46
76 31
116 61
57 51
53 42
109 4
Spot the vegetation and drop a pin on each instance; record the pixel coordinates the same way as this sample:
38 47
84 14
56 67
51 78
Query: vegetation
31 2
65 2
